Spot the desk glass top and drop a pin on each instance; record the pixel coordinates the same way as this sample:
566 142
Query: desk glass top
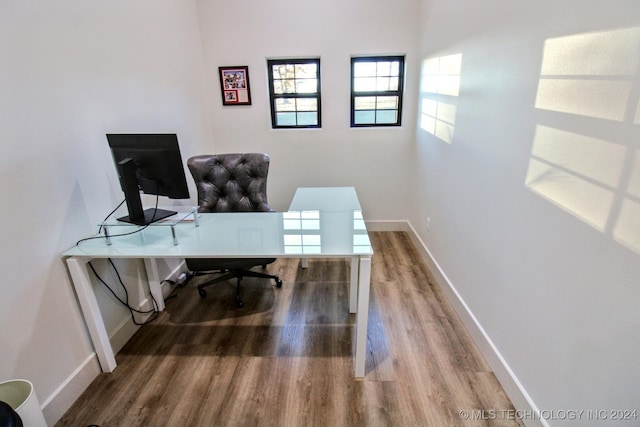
327 199
296 233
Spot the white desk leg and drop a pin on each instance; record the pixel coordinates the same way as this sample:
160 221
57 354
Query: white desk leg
91 313
155 287
362 317
353 285
305 262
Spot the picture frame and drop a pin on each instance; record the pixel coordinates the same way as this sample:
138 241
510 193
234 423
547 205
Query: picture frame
234 85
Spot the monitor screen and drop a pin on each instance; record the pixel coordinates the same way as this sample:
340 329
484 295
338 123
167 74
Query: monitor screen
150 163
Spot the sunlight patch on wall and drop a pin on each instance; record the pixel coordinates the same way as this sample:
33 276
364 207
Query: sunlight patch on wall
589 74
439 86
438 118
613 52
442 75
595 159
627 227
601 99
568 169
633 189
594 75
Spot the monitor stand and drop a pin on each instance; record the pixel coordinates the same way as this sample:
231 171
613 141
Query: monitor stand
150 215
137 215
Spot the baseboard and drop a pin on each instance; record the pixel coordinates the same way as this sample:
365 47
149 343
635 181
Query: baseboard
390 225
68 392
125 330
507 378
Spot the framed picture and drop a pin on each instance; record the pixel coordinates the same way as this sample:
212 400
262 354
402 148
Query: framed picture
234 84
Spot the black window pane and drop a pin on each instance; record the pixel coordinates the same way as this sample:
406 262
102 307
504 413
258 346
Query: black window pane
294 91
376 91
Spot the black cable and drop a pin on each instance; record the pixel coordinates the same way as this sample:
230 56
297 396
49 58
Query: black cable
112 235
111 213
122 234
155 304
154 312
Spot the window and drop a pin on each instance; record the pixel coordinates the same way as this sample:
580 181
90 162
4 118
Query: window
294 92
376 91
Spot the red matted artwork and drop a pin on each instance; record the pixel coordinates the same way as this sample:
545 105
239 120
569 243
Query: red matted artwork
234 84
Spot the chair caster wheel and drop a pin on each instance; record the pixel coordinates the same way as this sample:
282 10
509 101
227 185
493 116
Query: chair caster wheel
239 303
278 283
202 293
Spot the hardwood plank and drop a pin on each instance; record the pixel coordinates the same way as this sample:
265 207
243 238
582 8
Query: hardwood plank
285 359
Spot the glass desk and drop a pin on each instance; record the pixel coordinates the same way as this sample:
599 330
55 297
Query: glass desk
325 199
303 233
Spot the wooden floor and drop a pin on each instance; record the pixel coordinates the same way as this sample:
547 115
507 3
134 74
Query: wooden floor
285 359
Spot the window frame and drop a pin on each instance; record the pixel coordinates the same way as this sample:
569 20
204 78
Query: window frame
398 92
273 97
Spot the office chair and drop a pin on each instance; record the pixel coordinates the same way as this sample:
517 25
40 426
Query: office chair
230 183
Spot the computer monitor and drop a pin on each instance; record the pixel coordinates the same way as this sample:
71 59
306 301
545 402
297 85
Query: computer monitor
150 163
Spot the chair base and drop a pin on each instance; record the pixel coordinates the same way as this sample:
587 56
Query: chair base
238 274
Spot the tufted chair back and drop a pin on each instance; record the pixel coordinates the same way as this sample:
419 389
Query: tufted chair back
234 182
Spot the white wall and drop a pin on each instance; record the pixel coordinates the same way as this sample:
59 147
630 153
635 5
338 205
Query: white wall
533 200
71 71
534 197
374 161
